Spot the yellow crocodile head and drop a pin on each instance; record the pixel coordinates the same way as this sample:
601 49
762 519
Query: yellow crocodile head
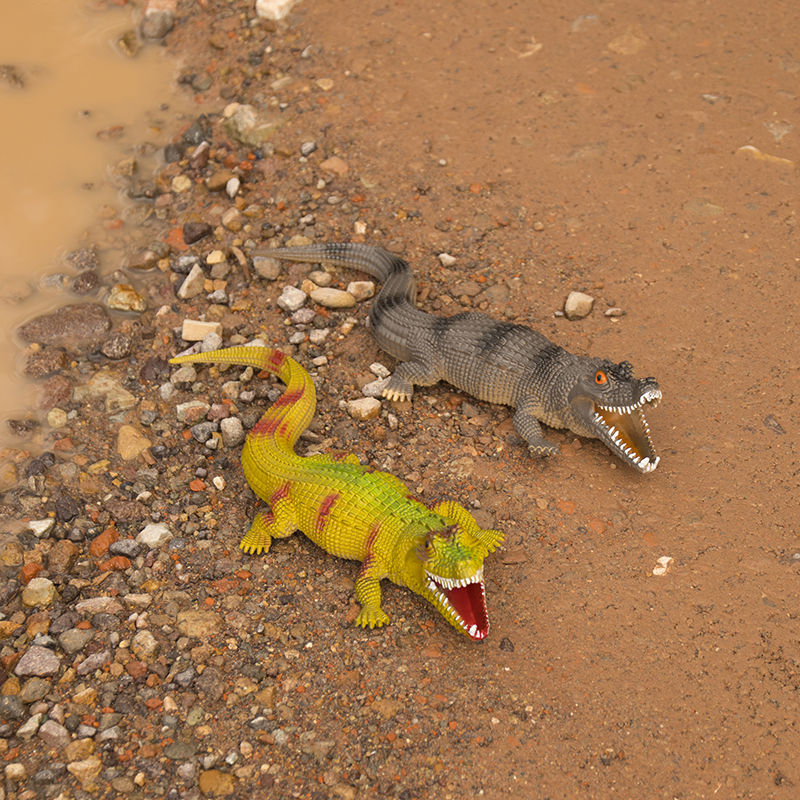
446 568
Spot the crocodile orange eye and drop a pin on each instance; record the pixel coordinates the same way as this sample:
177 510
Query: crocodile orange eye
600 378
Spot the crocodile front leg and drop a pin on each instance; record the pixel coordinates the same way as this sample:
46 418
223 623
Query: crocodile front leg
368 591
530 430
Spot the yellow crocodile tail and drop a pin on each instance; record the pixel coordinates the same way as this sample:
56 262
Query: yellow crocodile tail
291 413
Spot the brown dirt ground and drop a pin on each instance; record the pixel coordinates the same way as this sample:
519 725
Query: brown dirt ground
620 134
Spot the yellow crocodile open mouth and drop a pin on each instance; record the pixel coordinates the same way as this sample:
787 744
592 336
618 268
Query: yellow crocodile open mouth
625 430
463 602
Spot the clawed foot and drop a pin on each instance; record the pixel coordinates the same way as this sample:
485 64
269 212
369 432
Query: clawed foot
372 617
544 450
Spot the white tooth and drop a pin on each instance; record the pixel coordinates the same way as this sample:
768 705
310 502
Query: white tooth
473 630
645 462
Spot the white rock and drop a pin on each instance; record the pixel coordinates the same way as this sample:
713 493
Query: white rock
364 408
273 9
291 298
578 305
379 370
41 527
333 298
446 260
361 290
193 284
232 187
232 431
320 277
56 418
375 389
318 336
195 330
154 535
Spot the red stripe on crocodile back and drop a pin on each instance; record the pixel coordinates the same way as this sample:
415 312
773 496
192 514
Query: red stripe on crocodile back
281 493
325 511
288 398
276 358
374 530
266 426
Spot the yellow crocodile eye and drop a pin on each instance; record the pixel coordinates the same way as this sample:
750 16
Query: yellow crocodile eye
600 378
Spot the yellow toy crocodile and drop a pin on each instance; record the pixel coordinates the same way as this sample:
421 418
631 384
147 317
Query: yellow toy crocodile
354 512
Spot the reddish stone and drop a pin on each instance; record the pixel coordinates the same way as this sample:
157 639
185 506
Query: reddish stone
154 702
175 239
197 485
29 572
566 506
136 669
99 547
596 526
115 564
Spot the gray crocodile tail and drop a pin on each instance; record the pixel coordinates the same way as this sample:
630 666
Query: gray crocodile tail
393 315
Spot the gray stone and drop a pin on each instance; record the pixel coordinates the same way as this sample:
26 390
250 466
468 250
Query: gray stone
74 640
203 431
54 735
291 298
34 689
11 707
110 734
157 21
94 662
38 661
28 730
80 324
267 268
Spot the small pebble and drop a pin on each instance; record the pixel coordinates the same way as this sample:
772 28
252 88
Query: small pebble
333 298
364 408
291 298
578 305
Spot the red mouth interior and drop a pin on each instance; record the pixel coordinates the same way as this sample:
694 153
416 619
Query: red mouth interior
470 603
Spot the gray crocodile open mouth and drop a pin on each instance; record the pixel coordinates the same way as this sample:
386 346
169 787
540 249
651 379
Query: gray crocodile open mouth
625 430
463 602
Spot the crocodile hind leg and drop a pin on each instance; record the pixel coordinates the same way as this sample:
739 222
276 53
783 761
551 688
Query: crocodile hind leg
267 525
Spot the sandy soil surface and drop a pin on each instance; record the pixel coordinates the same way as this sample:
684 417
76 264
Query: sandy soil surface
548 147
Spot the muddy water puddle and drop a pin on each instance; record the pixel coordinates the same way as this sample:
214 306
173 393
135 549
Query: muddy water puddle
73 104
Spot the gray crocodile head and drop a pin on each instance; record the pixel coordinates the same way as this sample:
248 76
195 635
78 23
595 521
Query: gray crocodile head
608 401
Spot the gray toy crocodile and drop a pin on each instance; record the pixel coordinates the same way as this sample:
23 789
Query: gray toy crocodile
498 362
